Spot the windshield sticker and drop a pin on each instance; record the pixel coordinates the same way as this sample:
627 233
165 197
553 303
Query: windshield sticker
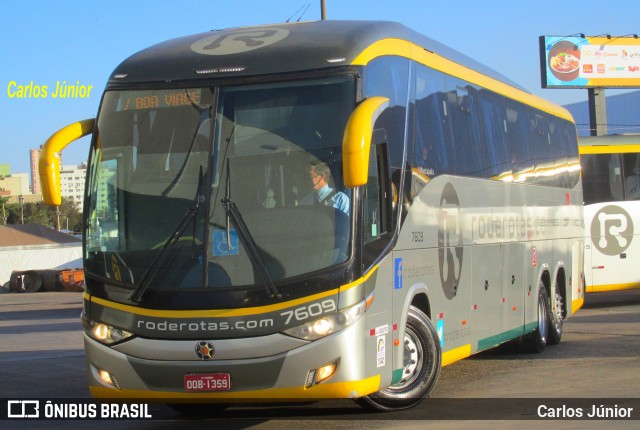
239 41
221 244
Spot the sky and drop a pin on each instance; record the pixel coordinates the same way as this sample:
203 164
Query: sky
82 42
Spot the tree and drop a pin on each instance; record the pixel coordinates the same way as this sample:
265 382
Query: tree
3 203
39 213
70 216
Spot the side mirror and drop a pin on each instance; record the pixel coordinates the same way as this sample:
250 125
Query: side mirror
356 142
49 164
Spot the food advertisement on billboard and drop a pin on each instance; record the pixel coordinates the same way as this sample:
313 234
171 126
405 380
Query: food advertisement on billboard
587 62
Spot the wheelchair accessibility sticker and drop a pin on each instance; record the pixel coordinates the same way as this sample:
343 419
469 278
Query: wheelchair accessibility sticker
221 245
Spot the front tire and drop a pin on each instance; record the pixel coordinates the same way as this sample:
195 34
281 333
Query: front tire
421 367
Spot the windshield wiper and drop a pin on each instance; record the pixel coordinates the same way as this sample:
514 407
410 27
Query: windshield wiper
245 236
152 269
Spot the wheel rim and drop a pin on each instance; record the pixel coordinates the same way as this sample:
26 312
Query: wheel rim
557 313
413 359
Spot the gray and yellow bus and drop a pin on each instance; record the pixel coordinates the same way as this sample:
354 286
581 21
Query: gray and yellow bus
611 181
318 210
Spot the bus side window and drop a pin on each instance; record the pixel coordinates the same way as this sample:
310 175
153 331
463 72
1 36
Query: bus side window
615 177
573 159
464 128
494 130
433 152
377 210
522 162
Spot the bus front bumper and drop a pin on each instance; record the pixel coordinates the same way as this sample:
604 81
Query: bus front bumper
281 377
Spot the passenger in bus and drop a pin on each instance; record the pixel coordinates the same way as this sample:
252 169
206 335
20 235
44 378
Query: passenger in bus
631 171
632 186
320 176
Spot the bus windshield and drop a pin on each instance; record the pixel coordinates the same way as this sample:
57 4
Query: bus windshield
219 187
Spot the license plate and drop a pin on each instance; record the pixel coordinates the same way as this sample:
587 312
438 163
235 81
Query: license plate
207 382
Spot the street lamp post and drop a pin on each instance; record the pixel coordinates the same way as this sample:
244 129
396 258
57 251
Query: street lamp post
58 218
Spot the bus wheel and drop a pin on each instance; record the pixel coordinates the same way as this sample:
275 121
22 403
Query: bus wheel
556 320
536 341
421 367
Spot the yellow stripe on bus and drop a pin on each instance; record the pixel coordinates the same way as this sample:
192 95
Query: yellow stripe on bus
608 149
576 305
611 287
219 313
412 51
336 390
456 354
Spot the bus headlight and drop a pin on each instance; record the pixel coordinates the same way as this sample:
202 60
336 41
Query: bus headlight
328 324
103 333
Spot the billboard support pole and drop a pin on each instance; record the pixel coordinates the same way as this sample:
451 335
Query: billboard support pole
597 111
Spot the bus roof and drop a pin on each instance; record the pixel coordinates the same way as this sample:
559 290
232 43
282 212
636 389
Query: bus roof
272 49
610 139
609 144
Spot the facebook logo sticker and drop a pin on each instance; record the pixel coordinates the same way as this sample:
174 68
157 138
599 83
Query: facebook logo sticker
397 284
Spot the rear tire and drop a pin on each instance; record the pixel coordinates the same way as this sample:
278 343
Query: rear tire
537 341
421 367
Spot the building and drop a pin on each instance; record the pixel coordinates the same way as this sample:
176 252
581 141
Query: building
16 184
72 183
623 114
34 155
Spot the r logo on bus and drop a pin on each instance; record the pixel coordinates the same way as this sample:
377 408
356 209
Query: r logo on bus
611 230
450 241
239 41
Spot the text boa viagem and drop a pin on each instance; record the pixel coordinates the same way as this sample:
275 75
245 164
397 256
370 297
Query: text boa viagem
60 90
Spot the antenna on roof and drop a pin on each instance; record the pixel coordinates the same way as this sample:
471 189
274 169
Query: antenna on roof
295 13
305 11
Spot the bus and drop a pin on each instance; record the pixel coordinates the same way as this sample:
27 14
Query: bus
611 181
317 210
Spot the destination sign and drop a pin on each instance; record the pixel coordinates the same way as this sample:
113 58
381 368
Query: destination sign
137 100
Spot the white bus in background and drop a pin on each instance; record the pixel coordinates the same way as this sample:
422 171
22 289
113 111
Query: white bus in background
611 181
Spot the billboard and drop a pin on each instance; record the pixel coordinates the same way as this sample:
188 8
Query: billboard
587 62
